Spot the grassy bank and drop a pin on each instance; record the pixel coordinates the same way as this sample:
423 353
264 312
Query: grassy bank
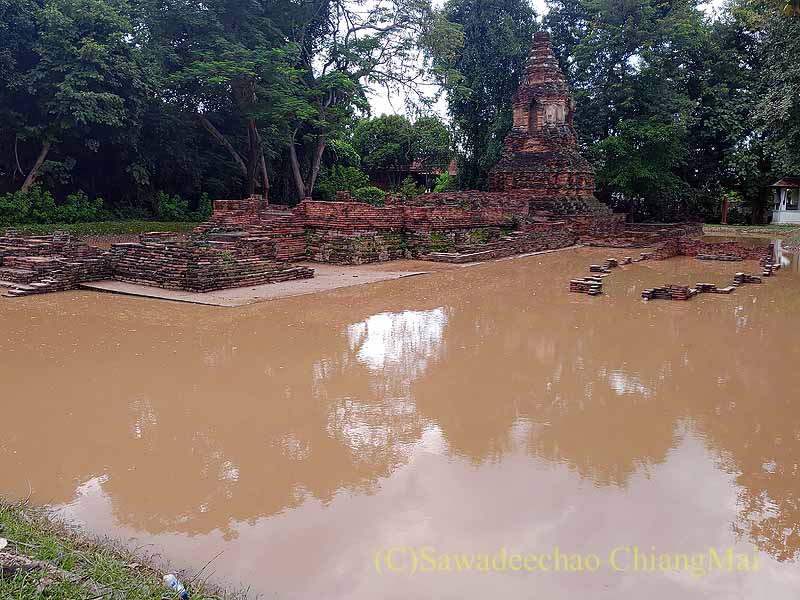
789 234
108 228
58 562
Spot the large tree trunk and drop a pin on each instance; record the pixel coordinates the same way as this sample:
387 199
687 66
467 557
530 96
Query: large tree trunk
254 156
217 135
315 165
34 173
262 167
300 186
264 178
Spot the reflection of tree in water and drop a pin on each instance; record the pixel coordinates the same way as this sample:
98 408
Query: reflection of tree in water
232 429
320 418
578 380
239 416
744 406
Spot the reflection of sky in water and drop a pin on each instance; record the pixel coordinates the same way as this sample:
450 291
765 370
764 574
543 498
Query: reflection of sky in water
377 426
406 339
145 417
622 383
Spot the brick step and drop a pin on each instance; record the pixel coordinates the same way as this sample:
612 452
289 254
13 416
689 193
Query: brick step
459 257
16 275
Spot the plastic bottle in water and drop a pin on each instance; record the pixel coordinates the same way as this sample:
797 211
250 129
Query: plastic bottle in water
173 583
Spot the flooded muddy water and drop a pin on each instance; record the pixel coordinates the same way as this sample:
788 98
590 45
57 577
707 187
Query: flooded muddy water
365 443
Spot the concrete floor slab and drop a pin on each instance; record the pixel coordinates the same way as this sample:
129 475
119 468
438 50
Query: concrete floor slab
327 277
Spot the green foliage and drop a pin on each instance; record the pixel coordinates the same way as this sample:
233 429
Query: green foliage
79 208
384 142
638 160
39 206
409 189
42 206
204 210
370 195
431 141
341 179
481 69
168 207
778 109
445 183
14 208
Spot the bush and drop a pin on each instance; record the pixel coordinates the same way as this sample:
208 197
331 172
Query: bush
14 208
341 179
170 208
43 206
409 188
38 206
445 183
204 210
79 209
370 195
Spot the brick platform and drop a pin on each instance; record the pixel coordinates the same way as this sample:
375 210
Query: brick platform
41 264
728 250
202 266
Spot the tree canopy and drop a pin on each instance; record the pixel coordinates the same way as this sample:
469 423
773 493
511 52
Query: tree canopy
135 101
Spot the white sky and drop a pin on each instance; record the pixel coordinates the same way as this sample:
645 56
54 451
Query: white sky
394 104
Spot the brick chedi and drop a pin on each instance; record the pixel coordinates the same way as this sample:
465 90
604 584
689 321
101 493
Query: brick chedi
541 152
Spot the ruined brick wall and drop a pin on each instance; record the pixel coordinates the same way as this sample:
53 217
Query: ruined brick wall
201 266
693 246
489 243
421 242
348 216
515 203
251 217
614 232
354 247
54 263
357 233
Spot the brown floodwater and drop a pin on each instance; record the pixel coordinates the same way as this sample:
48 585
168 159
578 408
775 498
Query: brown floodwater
473 411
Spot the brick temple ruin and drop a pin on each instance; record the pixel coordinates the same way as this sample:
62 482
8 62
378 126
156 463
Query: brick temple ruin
541 197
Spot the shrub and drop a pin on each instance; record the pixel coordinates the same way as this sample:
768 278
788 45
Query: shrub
370 195
170 208
409 188
204 210
14 208
445 183
79 209
43 206
341 179
38 206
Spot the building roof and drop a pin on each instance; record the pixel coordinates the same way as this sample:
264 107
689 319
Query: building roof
789 181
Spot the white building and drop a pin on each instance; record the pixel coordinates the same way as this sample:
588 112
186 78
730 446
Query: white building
786 197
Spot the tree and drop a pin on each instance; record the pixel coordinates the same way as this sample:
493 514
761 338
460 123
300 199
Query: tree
639 74
385 142
72 73
778 109
392 143
225 61
481 70
342 52
431 141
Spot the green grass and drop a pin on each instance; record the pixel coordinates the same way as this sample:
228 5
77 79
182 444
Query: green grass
106 228
103 567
